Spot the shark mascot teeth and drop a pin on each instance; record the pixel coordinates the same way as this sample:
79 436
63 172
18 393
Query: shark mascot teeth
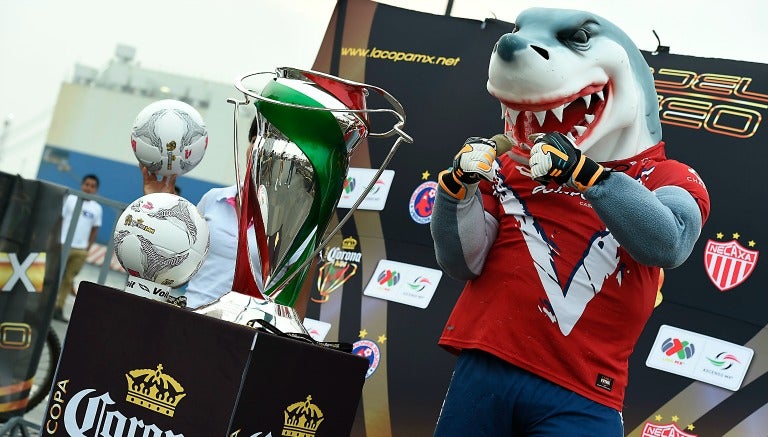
560 227
607 102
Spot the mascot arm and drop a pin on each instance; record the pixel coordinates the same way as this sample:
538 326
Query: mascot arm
657 228
463 233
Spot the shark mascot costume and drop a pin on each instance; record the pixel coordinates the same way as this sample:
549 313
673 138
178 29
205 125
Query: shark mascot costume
560 227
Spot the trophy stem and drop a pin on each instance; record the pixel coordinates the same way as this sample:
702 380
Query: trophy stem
248 310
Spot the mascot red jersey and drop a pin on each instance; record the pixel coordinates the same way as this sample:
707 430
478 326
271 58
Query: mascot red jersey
560 227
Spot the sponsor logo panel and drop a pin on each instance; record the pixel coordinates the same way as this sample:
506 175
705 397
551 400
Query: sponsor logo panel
358 180
403 283
700 357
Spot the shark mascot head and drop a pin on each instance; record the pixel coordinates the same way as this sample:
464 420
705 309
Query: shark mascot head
576 73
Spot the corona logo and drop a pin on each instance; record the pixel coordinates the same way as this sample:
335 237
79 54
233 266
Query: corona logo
339 265
154 390
349 243
302 419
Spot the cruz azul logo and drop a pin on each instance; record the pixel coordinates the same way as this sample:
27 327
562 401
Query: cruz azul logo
729 263
339 264
677 350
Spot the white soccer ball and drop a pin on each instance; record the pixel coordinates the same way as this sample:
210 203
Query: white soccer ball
162 238
169 137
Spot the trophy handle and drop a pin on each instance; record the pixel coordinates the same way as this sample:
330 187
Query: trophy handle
236 118
243 281
341 92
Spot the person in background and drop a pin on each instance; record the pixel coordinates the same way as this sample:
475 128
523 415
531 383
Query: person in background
86 229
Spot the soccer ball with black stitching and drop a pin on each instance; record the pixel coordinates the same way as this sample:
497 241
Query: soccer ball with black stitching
161 238
169 137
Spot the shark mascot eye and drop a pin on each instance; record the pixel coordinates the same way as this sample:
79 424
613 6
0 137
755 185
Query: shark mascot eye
581 36
560 225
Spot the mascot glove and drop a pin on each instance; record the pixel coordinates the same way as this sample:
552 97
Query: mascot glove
474 161
555 157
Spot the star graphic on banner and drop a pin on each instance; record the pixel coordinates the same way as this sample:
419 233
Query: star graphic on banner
675 418
720 235
363 333
382 339
751 243
425 175
736 235
658 417
690 427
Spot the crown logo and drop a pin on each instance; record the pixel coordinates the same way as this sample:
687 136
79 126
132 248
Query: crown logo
349 243
154 390
302 419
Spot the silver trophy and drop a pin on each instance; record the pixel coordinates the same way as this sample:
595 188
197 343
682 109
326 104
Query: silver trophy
309 124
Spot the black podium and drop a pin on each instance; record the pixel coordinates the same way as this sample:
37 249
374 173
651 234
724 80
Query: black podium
132 366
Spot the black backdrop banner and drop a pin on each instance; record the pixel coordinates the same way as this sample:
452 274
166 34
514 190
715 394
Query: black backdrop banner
30 223
712 113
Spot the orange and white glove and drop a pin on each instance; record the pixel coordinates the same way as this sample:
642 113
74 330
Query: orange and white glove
473 162
555 158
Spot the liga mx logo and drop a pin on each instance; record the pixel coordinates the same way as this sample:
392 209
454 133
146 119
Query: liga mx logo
681 349
349 184
388 278
728 263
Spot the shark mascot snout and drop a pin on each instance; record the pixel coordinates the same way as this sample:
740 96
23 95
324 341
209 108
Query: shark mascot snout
560 227
581 81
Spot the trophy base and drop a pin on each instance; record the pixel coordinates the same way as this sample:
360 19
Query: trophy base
246 310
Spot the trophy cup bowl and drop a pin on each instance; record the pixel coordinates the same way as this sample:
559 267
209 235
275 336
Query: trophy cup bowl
309 124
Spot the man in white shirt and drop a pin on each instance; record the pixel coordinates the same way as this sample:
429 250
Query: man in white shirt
88 224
